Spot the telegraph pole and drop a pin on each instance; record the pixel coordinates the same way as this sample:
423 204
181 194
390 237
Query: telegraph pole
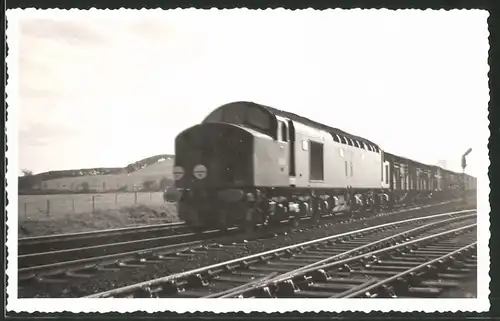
464 164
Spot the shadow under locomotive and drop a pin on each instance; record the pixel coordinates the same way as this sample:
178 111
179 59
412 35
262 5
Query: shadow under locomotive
249 164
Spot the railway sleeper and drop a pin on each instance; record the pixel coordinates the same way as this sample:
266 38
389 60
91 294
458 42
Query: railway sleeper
251 274
403 263
130 264
289 263
55 279
389 267
335 287
269 269
426 292
79 275
304 261
108 268
234 278
151 261
430 253
325 252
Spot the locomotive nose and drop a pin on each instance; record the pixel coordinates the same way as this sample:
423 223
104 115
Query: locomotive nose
213 155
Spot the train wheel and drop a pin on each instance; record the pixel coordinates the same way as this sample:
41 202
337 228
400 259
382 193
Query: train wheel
223 222
315 209
249 224
294 222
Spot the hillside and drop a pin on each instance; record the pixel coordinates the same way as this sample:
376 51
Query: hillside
152 173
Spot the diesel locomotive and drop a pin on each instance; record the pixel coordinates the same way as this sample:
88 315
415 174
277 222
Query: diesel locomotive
249 164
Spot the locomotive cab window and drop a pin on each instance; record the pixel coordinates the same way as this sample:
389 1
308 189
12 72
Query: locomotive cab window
257 119
336 138
342 140
316 170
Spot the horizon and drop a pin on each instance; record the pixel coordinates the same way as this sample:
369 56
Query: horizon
173 155
105 80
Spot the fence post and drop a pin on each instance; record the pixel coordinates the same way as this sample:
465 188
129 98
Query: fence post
135 198
48 207
93 204
73 205
25 210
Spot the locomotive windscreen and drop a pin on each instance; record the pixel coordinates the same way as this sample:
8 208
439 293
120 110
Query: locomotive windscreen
223 151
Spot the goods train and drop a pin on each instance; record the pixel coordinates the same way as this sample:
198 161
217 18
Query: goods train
249 164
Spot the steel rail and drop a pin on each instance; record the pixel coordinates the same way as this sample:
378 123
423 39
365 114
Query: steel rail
363 290
37 244
312 266
44 258
105 260
91 234
282 278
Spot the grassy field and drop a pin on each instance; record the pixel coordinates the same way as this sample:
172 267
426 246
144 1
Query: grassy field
69 213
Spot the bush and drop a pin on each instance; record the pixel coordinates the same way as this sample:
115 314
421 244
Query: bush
123 188
85 187
148 185
165 183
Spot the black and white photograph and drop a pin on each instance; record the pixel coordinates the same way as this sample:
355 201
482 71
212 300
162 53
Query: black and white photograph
281 160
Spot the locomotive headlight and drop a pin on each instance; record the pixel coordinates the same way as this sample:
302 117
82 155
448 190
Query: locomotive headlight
178 172
200 171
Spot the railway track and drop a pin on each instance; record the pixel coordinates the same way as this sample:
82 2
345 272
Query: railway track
324 267
65 256
30 245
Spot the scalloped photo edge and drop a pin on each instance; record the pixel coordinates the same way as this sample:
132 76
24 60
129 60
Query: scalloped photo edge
77 305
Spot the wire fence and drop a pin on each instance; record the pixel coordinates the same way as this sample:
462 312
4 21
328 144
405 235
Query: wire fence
69 204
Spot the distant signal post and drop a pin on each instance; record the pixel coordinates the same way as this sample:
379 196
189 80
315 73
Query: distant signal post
464 164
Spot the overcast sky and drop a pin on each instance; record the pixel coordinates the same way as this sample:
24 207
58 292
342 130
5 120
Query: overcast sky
108 88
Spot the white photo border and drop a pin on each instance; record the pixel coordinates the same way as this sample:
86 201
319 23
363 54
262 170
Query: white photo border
14 304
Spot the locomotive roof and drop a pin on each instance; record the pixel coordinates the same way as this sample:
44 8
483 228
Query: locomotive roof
304 120
312 123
